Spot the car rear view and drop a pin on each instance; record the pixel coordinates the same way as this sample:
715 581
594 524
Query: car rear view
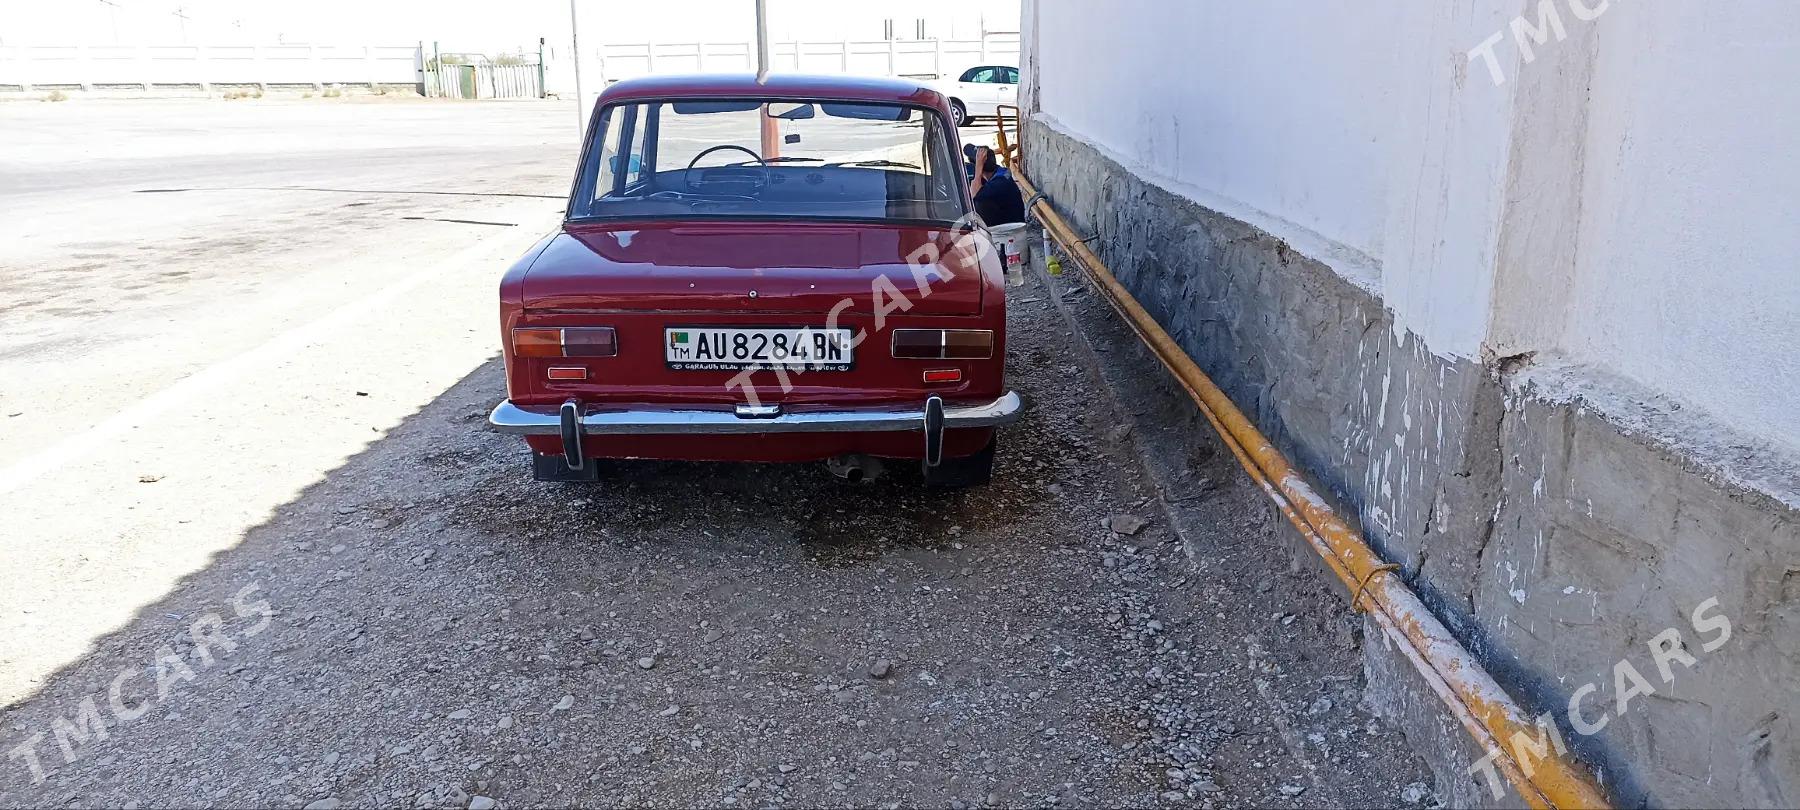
762 272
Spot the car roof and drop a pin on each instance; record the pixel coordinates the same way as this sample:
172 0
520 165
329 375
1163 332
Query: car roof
778 85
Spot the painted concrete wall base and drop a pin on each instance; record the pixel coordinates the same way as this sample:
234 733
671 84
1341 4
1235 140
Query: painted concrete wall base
1556 520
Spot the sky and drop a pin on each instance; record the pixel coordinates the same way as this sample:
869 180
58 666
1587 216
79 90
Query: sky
487 26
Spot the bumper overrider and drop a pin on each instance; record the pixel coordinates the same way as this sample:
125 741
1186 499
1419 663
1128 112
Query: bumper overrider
574 419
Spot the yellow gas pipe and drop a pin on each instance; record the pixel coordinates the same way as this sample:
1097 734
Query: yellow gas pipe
1485 711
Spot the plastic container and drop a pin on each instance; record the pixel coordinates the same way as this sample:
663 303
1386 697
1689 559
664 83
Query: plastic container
1013 240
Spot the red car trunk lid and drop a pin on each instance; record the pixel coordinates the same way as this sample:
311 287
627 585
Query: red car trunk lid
756 267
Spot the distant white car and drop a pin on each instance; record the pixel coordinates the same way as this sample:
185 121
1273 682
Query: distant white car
979 91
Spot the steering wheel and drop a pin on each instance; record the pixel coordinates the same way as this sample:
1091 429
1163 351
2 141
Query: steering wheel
745 149
762 177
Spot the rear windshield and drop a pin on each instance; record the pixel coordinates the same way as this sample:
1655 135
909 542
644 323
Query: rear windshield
767 158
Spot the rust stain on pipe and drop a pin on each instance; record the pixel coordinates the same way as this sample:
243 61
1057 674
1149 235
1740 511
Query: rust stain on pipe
1484 709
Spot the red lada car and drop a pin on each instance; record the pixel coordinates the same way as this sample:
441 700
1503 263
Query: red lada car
775 271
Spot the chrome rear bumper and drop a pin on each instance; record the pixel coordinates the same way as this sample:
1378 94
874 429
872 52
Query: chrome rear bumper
599 419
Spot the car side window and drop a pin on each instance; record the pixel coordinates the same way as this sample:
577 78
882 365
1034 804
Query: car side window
1011 77
612 125
622 161
980 75
637 162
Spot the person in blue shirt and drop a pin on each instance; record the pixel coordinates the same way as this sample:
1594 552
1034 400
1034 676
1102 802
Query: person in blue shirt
996 197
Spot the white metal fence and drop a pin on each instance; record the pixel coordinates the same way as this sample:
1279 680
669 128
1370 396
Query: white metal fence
33 67
28 67
483 81
925 58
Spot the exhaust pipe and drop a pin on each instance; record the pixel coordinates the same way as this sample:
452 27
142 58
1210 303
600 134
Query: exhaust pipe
855 468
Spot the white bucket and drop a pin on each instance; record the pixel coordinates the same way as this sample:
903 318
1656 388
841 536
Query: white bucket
1013 240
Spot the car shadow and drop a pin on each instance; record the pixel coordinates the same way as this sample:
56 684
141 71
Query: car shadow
429 575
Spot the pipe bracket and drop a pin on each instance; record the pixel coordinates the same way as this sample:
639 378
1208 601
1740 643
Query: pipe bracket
1356 596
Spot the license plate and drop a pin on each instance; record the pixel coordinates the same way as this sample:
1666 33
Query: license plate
707 348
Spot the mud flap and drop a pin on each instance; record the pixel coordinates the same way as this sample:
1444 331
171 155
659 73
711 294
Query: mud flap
552 467
570 465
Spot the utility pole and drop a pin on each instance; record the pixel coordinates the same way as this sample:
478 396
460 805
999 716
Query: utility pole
762 41
575 53
771 129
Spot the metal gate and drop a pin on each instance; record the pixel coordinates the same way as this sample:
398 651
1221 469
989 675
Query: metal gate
473 77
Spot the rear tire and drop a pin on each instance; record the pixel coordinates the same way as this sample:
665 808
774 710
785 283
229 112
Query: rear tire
959 114
961 473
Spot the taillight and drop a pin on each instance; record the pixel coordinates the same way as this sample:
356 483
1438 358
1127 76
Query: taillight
944 344
573 341
537 342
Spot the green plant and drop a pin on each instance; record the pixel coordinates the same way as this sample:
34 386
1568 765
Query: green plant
56 95
333 92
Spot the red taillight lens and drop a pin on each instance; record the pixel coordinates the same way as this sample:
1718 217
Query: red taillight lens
597 341
573 341
944 344
968 344
924 344
943 375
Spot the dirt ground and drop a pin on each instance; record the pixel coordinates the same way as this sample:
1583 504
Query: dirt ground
291 567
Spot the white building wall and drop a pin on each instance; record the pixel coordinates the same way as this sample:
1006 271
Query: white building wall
1450 144
1688 276
1626 199
1282 108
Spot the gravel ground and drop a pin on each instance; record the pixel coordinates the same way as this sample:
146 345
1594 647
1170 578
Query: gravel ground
442 631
